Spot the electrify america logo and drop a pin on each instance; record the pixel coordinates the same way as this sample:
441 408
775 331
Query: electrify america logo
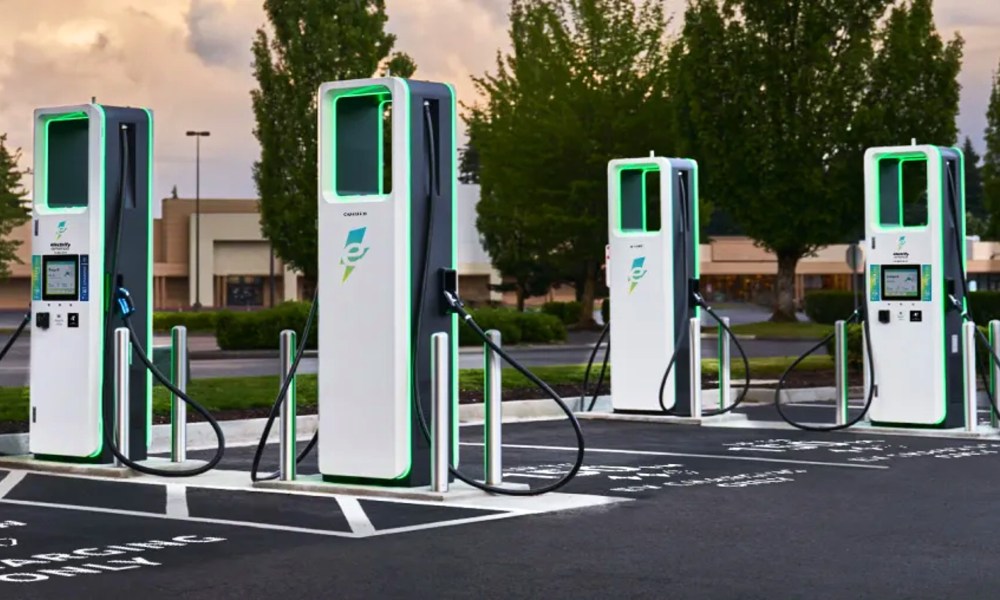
60 229
637 272
901 255
354 251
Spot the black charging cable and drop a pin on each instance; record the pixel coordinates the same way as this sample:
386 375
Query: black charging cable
455 305
119 297
17 333
590 366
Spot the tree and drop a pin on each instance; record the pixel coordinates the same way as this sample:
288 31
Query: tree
468 164
974 204
991 161
308 42
585 83
13 204
779 98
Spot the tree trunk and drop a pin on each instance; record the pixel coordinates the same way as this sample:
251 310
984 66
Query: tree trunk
587 299
519 290
784 309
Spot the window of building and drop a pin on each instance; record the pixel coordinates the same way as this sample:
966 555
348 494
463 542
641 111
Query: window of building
244 291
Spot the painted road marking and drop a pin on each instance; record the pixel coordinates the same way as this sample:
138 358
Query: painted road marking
685 455
10 482
177 504
355 515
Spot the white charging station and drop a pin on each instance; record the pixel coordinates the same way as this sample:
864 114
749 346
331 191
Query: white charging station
379 185
90 161
915 254
653 257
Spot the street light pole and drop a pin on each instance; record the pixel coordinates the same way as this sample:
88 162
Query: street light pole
197 135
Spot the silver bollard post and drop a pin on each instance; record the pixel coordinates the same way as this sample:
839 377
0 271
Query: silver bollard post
288 469
971 400
695 353
493 421
440 409
994 367
840 370
725 367
123 352
178 408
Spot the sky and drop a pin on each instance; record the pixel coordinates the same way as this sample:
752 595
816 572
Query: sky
189 60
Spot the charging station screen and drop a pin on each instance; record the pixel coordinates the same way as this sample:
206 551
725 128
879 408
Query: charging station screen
901 283
60 279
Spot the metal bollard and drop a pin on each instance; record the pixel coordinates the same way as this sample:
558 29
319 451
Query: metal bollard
994 368
868 375
178 408
840 371
440 409
288 470
969 354
695 353
123 355
725 367
493 421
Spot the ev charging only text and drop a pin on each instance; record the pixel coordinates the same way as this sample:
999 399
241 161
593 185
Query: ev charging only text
92 561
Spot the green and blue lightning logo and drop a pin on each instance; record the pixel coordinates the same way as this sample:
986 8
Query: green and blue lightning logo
636 273
353 251
901 243
60 229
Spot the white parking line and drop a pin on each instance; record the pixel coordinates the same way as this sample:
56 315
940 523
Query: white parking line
10 481
177 503
355 515
687 455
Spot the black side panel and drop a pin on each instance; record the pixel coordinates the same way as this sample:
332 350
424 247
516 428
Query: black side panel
953 239
684 205
133 258
432 173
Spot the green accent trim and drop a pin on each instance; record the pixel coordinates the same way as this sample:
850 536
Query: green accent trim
453 177
693 198
907 156
644 168
371 90
406 196
101 298
42 193
149 277
939 253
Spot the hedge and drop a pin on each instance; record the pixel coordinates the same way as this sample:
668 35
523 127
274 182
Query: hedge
829 306
196 322
567 312
514 327
260 330
855 343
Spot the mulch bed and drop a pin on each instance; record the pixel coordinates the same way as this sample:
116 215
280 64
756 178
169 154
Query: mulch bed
802 379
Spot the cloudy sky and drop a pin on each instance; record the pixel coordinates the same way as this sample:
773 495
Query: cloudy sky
189 60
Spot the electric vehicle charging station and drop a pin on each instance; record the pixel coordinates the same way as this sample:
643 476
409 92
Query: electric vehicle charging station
653 244
915 225
386 231
87 158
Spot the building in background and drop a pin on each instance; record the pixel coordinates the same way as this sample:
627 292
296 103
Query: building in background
238 269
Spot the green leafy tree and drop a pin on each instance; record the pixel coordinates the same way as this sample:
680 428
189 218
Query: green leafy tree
991 161
307 42
974 204
14 209
778 100
584 83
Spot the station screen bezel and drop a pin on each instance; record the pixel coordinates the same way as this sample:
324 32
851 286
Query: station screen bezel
918 292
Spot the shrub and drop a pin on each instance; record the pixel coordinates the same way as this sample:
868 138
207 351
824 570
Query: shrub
829 306
261 330
196 322
567 312
514 327
985 306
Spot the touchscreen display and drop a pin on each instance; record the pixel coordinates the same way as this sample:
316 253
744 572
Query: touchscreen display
60 278
901 283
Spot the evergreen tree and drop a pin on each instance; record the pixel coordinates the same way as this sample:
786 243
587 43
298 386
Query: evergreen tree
14 209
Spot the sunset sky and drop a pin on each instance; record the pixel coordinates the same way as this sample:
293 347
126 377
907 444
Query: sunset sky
189 60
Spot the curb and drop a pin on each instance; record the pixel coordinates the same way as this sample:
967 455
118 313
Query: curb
246 432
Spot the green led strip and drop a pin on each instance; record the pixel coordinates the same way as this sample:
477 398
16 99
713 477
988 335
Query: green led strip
406 198
453 177
380 91
149 277
101 299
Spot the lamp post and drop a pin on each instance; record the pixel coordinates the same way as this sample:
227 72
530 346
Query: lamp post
197 135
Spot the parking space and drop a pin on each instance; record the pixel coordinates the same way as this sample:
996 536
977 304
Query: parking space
690 513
